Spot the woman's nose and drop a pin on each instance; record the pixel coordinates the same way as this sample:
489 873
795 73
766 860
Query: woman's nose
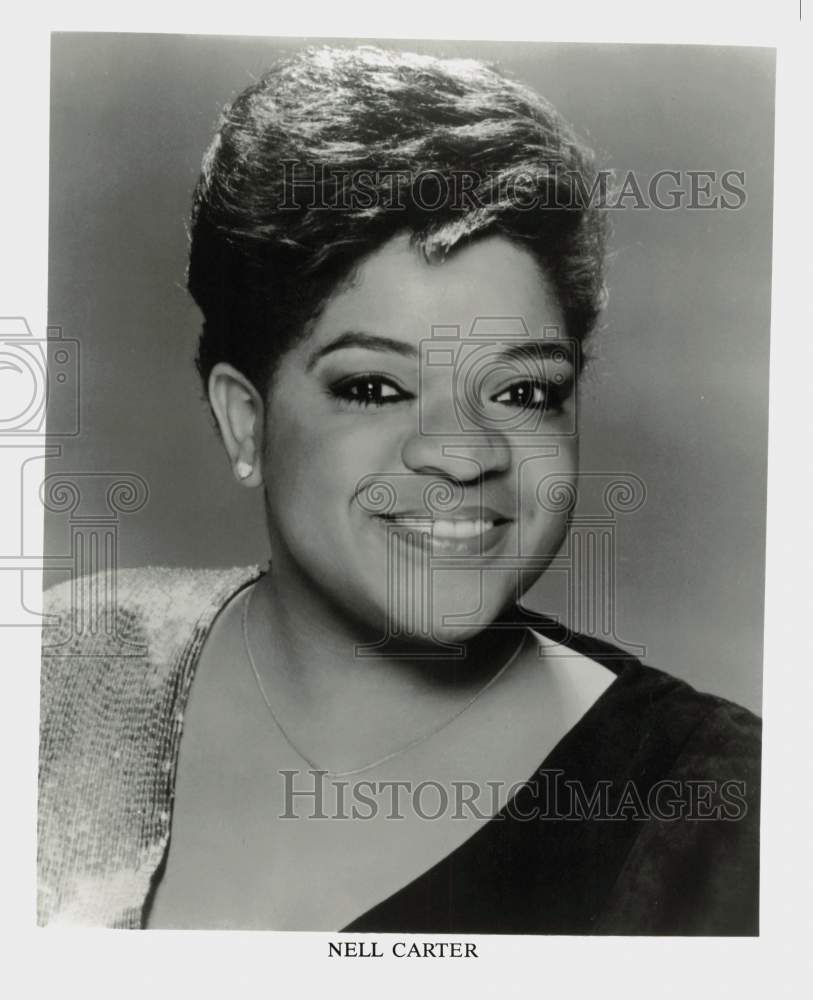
465 455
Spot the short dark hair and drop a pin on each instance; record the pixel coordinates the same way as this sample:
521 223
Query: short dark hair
365 128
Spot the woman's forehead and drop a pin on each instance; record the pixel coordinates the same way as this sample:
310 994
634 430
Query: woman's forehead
484 285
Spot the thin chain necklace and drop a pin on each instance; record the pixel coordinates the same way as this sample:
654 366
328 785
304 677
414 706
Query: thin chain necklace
389 756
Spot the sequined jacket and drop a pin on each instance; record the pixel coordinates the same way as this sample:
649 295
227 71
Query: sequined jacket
116 671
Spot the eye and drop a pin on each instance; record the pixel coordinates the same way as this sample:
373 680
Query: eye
526 395
369 390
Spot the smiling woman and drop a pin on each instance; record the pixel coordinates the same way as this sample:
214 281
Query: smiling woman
398 375
353 411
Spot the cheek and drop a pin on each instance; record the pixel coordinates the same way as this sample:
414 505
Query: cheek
295 465
304 482
313 465
546 483
546 488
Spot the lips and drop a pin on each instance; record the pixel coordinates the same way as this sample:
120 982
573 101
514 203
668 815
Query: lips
470 530
460 529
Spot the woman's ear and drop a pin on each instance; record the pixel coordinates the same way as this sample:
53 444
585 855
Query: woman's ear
238 409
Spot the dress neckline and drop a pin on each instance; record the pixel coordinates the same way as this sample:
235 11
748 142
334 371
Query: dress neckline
426 903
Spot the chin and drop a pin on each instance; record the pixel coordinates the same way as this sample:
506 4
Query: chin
455 606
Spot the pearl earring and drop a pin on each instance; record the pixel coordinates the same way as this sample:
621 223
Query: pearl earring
244 470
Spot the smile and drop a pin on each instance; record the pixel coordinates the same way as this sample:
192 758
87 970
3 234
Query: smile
468 533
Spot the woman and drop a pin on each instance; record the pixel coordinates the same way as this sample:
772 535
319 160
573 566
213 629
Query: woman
398 260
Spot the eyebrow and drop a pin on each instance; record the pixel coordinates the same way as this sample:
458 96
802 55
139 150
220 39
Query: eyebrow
533 349
536 349
366 341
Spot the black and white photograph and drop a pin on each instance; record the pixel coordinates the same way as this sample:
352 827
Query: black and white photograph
365 643
398 429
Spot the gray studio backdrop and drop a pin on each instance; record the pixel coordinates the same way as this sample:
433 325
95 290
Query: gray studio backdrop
677 394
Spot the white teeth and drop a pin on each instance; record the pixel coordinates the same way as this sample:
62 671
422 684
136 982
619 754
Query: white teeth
460 529
445 529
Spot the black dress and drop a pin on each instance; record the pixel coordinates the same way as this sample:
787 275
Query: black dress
644 819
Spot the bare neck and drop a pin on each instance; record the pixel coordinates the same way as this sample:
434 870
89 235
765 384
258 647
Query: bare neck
349 702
